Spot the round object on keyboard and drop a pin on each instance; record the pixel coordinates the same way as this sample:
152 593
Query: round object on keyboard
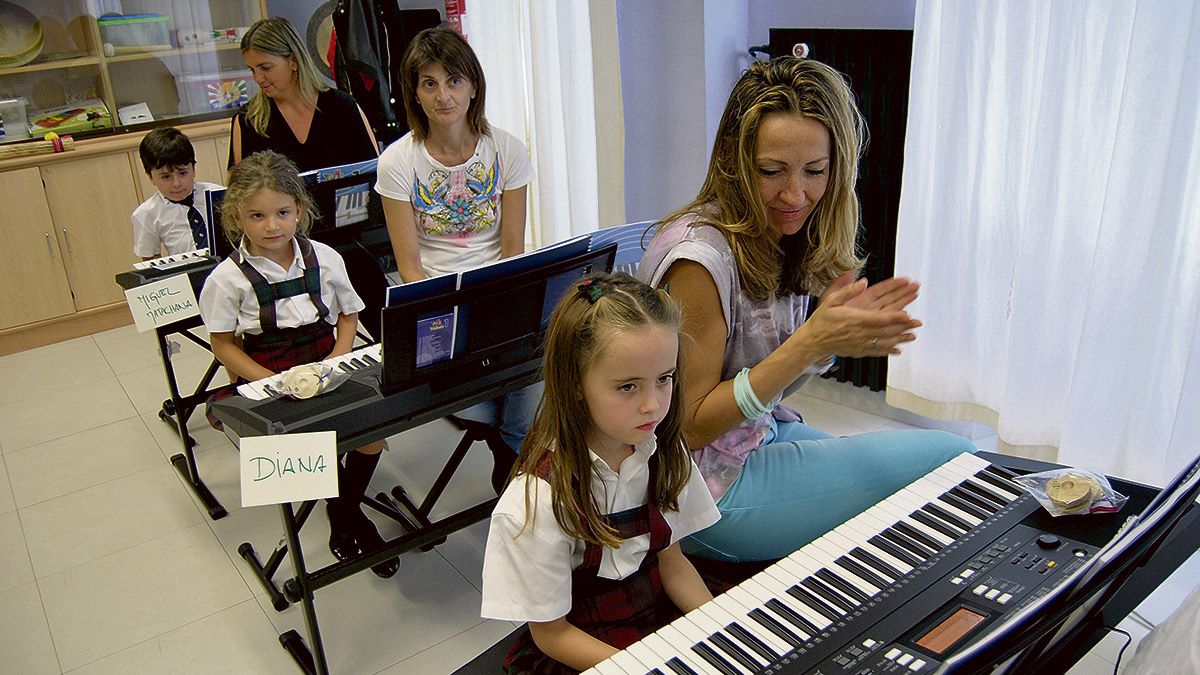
1071 492
307 380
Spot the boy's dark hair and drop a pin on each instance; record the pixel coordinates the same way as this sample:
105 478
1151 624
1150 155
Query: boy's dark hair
165 146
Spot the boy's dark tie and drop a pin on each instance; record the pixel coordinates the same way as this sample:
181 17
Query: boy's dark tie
195 220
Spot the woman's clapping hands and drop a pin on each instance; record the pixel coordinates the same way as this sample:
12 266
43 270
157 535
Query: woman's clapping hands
854 319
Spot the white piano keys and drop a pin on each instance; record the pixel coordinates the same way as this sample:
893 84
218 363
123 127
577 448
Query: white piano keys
816 572
726 611
169 261
359 359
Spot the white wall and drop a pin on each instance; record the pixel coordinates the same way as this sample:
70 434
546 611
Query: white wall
662 89
680 59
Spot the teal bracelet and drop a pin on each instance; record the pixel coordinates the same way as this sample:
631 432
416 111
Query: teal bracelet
747 401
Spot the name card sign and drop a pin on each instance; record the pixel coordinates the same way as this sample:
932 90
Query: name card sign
163 302
288 468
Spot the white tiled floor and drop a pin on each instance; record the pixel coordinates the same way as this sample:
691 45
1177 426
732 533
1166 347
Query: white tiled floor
109 565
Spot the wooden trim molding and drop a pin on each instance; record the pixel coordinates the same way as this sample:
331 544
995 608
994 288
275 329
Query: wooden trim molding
58 329
120 143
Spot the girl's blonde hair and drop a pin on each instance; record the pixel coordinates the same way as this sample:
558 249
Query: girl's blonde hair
584 322
276 36
808 261
271 170
445 46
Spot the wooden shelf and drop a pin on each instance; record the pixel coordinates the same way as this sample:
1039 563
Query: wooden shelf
52 65
182 51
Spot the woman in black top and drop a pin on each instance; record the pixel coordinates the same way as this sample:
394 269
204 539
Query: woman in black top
294 113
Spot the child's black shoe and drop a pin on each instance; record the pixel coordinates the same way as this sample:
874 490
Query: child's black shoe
344 545
368 537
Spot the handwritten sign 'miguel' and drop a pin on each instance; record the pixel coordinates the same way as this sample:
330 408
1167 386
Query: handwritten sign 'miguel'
162 302
288 468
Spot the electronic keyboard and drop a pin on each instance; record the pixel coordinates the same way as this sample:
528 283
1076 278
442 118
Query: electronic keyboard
173 261
358 409
362 358
895 589
196 264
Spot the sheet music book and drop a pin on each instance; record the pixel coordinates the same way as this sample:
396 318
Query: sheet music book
218 243
421 289
351 204
333 172
435 333
435 339
630 239
538 257
508 267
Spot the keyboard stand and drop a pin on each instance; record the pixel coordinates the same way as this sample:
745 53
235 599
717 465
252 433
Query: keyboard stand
420 532
398 506
178 409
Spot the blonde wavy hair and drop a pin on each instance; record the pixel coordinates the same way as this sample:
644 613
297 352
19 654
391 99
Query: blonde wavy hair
276 36
270 170
808 261
578 332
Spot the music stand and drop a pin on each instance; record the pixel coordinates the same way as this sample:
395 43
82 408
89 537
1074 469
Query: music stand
477 330
1022 641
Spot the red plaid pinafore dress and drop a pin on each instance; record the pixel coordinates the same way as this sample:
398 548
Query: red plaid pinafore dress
617 611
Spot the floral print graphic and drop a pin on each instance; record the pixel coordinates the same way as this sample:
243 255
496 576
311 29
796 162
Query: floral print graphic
458 203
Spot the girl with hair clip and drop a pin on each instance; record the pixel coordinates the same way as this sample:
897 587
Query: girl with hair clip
772 229
454 194
294 112
584 542
266 214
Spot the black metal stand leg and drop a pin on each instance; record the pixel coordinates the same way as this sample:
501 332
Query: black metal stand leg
185 462
313 662
400 503
266 573
420 513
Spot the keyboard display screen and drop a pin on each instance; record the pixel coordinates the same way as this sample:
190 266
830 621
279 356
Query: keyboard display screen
952 629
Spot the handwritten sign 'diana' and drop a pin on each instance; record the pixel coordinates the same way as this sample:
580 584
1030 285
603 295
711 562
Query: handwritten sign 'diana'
162 302
288 468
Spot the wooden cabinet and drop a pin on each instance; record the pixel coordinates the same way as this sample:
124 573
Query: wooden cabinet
90 202
65 232
180 59
36 279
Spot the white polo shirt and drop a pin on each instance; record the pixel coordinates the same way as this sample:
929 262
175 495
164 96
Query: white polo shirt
228 303
159 222
528 577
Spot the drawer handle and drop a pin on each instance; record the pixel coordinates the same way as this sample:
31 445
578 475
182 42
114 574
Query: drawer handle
49 247
67 239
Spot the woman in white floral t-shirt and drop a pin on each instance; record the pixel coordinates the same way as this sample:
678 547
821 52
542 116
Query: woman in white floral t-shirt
454 191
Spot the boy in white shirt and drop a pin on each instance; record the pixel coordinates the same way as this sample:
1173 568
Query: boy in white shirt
173 217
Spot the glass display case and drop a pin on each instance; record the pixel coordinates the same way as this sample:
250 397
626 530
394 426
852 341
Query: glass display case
103 66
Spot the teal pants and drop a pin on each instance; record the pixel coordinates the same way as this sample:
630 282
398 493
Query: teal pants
805 482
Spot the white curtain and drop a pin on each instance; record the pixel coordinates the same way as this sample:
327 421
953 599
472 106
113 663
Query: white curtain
1051 210
543 86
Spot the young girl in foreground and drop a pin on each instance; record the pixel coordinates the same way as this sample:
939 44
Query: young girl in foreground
266 213
584 542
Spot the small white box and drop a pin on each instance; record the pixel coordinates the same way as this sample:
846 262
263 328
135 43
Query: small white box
14 125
